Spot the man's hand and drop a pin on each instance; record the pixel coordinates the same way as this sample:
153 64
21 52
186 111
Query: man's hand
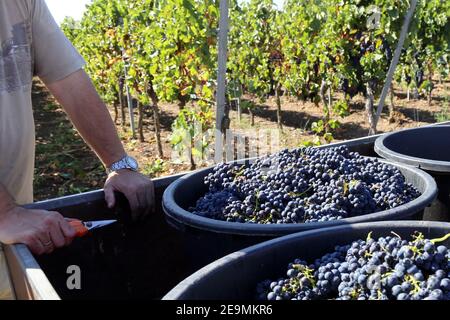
138 189
42 231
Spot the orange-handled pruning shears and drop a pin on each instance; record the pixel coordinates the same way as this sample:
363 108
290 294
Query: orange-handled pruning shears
82 228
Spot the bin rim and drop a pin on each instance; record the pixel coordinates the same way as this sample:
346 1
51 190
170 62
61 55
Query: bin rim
178 216
178 291
435 166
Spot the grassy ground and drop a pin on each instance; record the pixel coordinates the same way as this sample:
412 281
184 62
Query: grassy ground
65 165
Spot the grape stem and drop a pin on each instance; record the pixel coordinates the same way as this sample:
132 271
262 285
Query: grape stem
447 236
396 234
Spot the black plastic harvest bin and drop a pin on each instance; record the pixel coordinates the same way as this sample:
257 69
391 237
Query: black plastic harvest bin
122 261
210 239
427 148
238 274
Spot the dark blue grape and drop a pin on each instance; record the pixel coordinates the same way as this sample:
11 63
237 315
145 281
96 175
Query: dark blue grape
302 186
387 268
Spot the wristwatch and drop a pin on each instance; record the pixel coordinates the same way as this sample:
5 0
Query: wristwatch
126 162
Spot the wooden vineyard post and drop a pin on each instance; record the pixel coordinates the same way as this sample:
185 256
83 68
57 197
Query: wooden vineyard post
125 60
221 121
394 62
130 101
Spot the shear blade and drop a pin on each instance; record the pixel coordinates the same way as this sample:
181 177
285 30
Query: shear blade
91 225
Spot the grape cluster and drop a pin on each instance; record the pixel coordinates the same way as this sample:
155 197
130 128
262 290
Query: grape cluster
408 79
419 74
303 185
387 268
366 47
419 77
387 50
363 47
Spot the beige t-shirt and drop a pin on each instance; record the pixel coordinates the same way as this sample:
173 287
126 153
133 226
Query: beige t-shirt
31 43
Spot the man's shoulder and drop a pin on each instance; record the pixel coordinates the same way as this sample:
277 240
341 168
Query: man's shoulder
20 6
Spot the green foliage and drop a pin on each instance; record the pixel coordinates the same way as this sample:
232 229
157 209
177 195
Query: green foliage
190 130
323 128
443 65
427 86
178 47
167 48
341 108
427 48
444 114
318 127
154 168
170 47
252 44
315 142
246 105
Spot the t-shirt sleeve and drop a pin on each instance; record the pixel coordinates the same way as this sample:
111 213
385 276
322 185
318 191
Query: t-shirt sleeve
55 57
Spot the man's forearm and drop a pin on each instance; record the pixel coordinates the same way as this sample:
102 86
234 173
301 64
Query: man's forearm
89 115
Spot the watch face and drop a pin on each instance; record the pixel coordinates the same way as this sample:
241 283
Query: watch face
132 163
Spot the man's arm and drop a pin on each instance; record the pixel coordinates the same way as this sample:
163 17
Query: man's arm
88 113
42 231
